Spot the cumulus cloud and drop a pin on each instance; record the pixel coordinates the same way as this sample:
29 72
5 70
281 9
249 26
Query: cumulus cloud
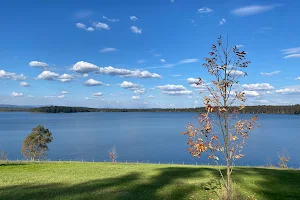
85 75
16 94
258 86
48 75
127 73
92 82
101 26
205 10
11 75
222 21
130 85
110 20
65 78
85 67
64 92
236 73
83 26
192 80
140 91
108 49
270 73
24 84
290 90
251 93
151 96
98 94
136 97
174 90
298 78
136 30
133 18
38 64
253 9
162 60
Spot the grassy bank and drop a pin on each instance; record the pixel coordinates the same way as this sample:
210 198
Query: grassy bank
77 180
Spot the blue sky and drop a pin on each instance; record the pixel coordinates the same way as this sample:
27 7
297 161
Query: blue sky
136 54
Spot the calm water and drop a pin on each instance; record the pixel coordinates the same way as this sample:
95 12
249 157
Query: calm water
144 137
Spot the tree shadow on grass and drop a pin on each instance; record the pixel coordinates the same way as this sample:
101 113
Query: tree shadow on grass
268 183
169 183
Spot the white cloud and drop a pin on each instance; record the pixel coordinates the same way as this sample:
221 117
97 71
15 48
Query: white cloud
111 20
100 26
270 73
298 78
127 73
48 75
83 26
252 10
54 97
222 21
204 10
64 92
192 80
92 82
38 64
162 60
24 84
85 75
16 94
61 96
289 90
251 93
65 78
151 96
258 86
30 96
108 49
185 61
130 85
141 61
10 75
85 67
136 30
140 91
136 97
174 90
296 55
239 46
291 52
133 18
98 94
236 73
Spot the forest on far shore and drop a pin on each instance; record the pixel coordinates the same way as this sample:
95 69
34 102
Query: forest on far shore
263 109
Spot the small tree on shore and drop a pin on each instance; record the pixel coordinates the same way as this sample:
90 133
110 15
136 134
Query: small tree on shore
3 155
113 154
220 132
35 144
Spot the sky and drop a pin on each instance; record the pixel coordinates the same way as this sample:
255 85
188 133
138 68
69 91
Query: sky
143 54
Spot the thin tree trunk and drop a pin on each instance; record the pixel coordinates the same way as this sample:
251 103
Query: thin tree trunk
228 181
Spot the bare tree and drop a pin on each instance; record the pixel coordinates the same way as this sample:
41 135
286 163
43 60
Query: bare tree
3 155
221 133
284 158
113 154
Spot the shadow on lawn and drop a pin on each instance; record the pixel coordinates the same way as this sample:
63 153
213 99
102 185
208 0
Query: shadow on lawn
130 186
168 184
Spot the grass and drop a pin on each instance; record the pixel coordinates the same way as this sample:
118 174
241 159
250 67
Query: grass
79 180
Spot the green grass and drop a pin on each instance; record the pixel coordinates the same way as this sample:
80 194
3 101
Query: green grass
76 180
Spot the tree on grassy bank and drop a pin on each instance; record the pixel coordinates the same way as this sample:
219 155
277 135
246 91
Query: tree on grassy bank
35 144
220 133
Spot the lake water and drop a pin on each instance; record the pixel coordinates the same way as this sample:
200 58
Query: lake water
143 137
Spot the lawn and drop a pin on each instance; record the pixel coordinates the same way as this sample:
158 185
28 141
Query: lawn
80 180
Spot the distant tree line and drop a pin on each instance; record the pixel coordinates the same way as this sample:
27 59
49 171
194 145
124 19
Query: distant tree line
291 109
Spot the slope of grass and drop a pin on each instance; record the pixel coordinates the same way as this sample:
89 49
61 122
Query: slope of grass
75 180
